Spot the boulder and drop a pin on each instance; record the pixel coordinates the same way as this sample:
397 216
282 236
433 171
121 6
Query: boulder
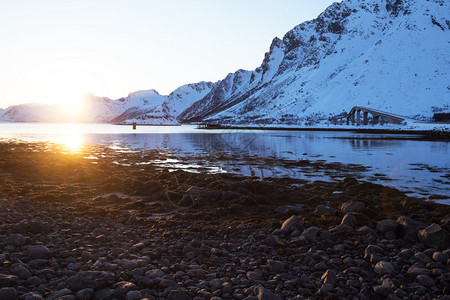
353 207
383 268
384 226
329 277
275 265
433 236
292 222
38 252
409 228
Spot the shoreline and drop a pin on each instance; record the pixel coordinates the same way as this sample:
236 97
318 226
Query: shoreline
112 228
425 133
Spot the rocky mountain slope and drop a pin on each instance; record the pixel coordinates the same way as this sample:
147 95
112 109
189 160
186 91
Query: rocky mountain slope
385 54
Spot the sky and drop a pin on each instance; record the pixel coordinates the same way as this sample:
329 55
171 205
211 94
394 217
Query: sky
56 51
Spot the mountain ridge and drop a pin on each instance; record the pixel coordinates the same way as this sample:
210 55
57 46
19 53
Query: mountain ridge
385 54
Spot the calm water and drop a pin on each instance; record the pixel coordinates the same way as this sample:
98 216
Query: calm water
419 167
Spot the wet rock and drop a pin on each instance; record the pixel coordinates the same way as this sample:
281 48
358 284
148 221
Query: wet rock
323 210
85 294
89 279
433 236
154 273
385 226
38 252
292 222
15 240
265 294
353 207
383 268
409 228
8 280
275 265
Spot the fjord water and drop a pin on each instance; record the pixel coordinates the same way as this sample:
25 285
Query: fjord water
402 161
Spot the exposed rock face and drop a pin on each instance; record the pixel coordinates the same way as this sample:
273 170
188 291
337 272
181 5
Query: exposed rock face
351 54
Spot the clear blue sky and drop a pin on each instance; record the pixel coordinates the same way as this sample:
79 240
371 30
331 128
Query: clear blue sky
54 51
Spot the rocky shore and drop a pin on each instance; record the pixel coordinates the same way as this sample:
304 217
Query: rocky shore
107 224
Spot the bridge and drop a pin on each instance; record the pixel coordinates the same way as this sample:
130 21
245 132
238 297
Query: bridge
378 117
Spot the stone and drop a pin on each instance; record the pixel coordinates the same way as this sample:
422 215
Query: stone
134 295
433 236
384 226
21 272
38 252
265 294
186 200
33 281
409 228
290 209
128 264
329 277
292 222
425 280
15 240
325 289
123 287
33 296
74 266
353 207
89 279
178 295
383 268
104 294
59 294
154 273
253 276
323 210
85 294
8 293
275 265
383 290
311 233
440 257
8 280
39 227
418 269
355 219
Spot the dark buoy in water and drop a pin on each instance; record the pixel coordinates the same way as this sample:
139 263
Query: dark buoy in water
134 125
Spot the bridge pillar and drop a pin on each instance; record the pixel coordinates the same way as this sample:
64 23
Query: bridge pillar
381 121
353 118
348 120
365 118
358 117
376 119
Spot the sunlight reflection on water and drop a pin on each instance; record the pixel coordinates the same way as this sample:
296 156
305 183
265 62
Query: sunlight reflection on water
421 167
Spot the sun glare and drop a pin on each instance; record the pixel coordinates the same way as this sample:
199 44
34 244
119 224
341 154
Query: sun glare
72 138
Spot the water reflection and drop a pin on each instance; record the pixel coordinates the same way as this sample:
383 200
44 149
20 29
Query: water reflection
390 159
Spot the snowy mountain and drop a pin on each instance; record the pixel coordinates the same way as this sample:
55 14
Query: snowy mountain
390 55
143 107
32 112
384 54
